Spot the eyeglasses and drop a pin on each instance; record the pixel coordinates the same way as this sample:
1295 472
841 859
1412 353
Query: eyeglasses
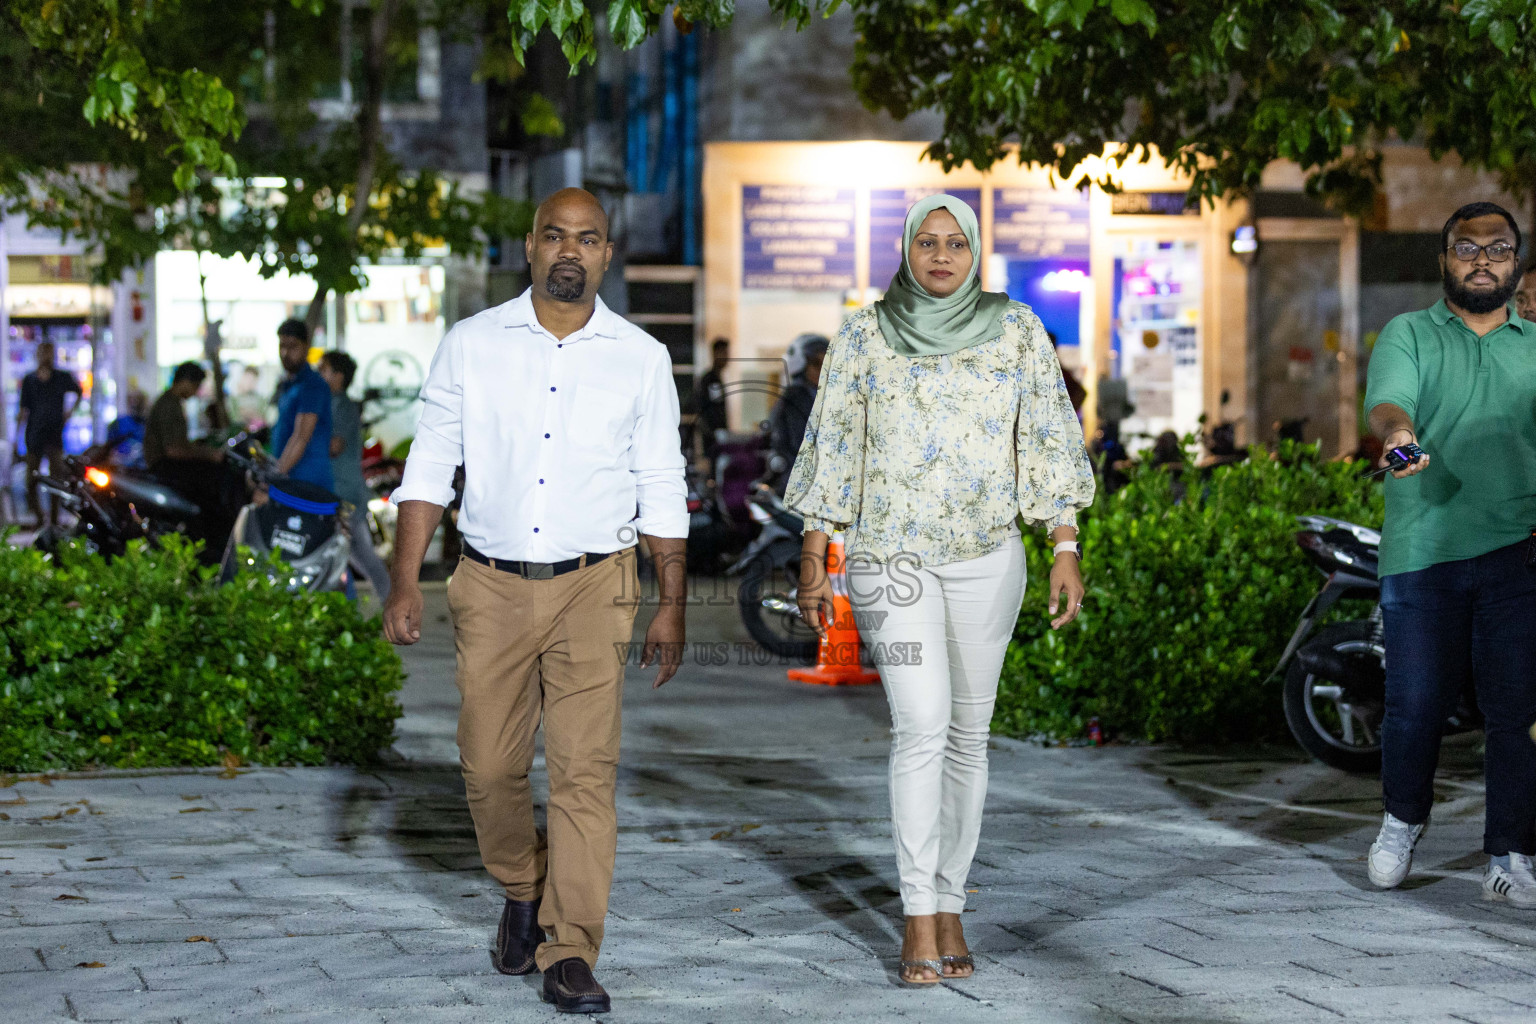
1498 252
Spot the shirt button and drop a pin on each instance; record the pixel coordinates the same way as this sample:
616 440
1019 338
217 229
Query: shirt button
541 479
535 529
546 435
551 389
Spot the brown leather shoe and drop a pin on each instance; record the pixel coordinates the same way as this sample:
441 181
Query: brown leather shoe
570 986
517 937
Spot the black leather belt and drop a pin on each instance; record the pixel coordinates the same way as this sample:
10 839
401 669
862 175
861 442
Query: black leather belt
535 570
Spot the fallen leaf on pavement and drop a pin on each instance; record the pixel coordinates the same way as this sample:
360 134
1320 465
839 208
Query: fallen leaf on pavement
668 839
69 896
191 810
722 834
198 938
174 877
89 859
72 810
195 796
90 963
749 828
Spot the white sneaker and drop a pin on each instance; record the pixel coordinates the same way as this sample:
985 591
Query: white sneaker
1392 852
1515 884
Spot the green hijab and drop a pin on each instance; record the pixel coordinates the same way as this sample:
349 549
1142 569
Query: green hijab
917 323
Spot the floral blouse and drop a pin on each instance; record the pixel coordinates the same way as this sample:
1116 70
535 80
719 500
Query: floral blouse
935 456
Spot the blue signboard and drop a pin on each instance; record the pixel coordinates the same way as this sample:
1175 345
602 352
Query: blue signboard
797 237
888 215
1040 223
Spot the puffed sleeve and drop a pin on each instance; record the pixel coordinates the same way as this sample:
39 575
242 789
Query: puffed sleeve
1055 476
826 485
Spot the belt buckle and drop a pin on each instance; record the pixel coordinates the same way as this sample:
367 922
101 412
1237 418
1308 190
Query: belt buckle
538 571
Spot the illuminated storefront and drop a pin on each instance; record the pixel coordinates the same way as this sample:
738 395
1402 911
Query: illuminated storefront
1133 286
47 294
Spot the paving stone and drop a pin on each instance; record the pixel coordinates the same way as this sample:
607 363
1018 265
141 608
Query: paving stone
1104 894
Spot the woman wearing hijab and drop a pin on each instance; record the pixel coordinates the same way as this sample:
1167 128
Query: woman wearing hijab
942 420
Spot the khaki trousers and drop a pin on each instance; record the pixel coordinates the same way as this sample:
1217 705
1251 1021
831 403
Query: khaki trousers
551 648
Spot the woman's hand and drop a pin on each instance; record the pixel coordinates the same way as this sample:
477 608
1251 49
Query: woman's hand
814 595
1066 578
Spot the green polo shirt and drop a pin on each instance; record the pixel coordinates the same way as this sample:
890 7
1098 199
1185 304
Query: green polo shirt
1473 405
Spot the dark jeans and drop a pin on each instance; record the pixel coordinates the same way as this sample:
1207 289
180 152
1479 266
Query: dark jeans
1475 617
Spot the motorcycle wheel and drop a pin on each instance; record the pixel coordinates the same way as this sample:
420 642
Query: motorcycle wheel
1341 733
773 573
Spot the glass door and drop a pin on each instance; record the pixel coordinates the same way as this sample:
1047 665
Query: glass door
1155 336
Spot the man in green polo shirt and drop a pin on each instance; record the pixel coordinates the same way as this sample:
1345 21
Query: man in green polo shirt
1459 380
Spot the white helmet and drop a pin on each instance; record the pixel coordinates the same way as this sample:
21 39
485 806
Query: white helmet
800 350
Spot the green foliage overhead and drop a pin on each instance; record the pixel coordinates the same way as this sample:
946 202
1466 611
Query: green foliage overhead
1194 587
1220 88
144 661
100 147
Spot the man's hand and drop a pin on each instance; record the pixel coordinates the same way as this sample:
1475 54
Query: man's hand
402 614
1066 578
665 638
1397 439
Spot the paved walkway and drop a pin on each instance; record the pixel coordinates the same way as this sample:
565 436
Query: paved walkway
755 882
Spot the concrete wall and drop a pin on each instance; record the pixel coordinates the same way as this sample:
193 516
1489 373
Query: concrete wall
760 82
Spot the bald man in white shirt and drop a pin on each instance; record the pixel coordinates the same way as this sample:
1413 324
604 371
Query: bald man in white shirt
565 418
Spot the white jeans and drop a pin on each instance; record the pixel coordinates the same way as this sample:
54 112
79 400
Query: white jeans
941 632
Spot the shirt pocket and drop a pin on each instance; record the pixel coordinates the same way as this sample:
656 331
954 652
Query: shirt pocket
604 418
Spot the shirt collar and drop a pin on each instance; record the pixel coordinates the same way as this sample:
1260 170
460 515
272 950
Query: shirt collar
1441 314
604 323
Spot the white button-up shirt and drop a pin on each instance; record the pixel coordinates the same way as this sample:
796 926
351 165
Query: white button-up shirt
568 446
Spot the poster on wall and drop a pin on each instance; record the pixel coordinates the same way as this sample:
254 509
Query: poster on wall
1040 224
797 237
1040 250
888 216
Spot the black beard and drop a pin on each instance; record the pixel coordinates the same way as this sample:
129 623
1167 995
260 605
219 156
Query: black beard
567 289
1477 302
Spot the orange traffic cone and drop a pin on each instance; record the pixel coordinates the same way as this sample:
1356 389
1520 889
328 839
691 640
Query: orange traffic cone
837 656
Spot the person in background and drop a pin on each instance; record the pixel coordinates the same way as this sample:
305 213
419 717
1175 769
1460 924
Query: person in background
124 443
1458 593
786 423
1525 294
338 369
707 402
193 470
45 408
301 439
250 405
1076 393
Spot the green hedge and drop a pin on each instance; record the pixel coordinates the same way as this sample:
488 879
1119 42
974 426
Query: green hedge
145 661
1190 603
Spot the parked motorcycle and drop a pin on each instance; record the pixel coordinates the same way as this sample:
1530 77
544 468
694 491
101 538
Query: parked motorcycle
303 523
1334 686
770 578
112 507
